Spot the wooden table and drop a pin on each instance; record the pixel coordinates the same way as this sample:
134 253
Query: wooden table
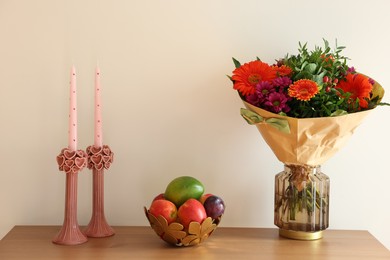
34 242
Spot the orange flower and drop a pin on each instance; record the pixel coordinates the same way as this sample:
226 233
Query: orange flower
359 86
247 76
327 58
303 89
282 71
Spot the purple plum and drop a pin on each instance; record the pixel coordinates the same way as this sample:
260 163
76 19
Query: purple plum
214 206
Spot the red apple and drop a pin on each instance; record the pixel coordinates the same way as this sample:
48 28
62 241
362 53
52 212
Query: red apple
164 208
191 210
159 197
204 197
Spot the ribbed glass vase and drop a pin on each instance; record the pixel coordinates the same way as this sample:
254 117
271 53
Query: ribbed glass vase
301 202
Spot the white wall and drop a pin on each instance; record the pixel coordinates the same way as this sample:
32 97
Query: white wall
169 109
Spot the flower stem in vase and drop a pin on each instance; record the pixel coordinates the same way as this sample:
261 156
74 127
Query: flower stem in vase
70 233
301 202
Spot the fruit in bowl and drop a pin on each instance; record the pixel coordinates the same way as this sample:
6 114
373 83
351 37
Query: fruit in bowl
183 215
183 188
214 206
190 211
164 208
204 197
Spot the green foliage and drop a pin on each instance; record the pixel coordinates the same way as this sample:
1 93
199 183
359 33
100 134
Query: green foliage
323 104
316 65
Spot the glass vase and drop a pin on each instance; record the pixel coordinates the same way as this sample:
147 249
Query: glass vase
301 202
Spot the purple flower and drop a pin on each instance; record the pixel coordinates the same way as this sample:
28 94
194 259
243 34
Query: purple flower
282 82
263 89
253 99
277 102
351 70
371 81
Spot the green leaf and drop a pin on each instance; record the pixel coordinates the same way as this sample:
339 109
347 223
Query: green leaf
237 64
339 112
326 43
303 75
319 80
282 114
311 67
325 108
304 65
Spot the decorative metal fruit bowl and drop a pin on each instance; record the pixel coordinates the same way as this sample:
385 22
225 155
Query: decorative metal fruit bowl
175 233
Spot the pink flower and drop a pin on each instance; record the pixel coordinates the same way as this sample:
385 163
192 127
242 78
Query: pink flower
282 82
277 102
263 89
253 99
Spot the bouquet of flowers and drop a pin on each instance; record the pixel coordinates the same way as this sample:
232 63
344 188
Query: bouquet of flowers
305 106
311 84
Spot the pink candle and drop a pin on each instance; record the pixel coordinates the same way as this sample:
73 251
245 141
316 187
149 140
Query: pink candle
72 141
98 111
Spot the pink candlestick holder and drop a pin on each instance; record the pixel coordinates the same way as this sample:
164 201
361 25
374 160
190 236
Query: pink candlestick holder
71 162
99 158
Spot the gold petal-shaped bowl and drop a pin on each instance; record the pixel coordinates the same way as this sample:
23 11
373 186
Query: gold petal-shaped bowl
175 234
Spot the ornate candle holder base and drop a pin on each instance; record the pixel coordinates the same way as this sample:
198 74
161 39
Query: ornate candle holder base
98 226
70 236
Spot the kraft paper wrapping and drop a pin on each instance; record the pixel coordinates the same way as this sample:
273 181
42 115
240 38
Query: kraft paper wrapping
311 141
